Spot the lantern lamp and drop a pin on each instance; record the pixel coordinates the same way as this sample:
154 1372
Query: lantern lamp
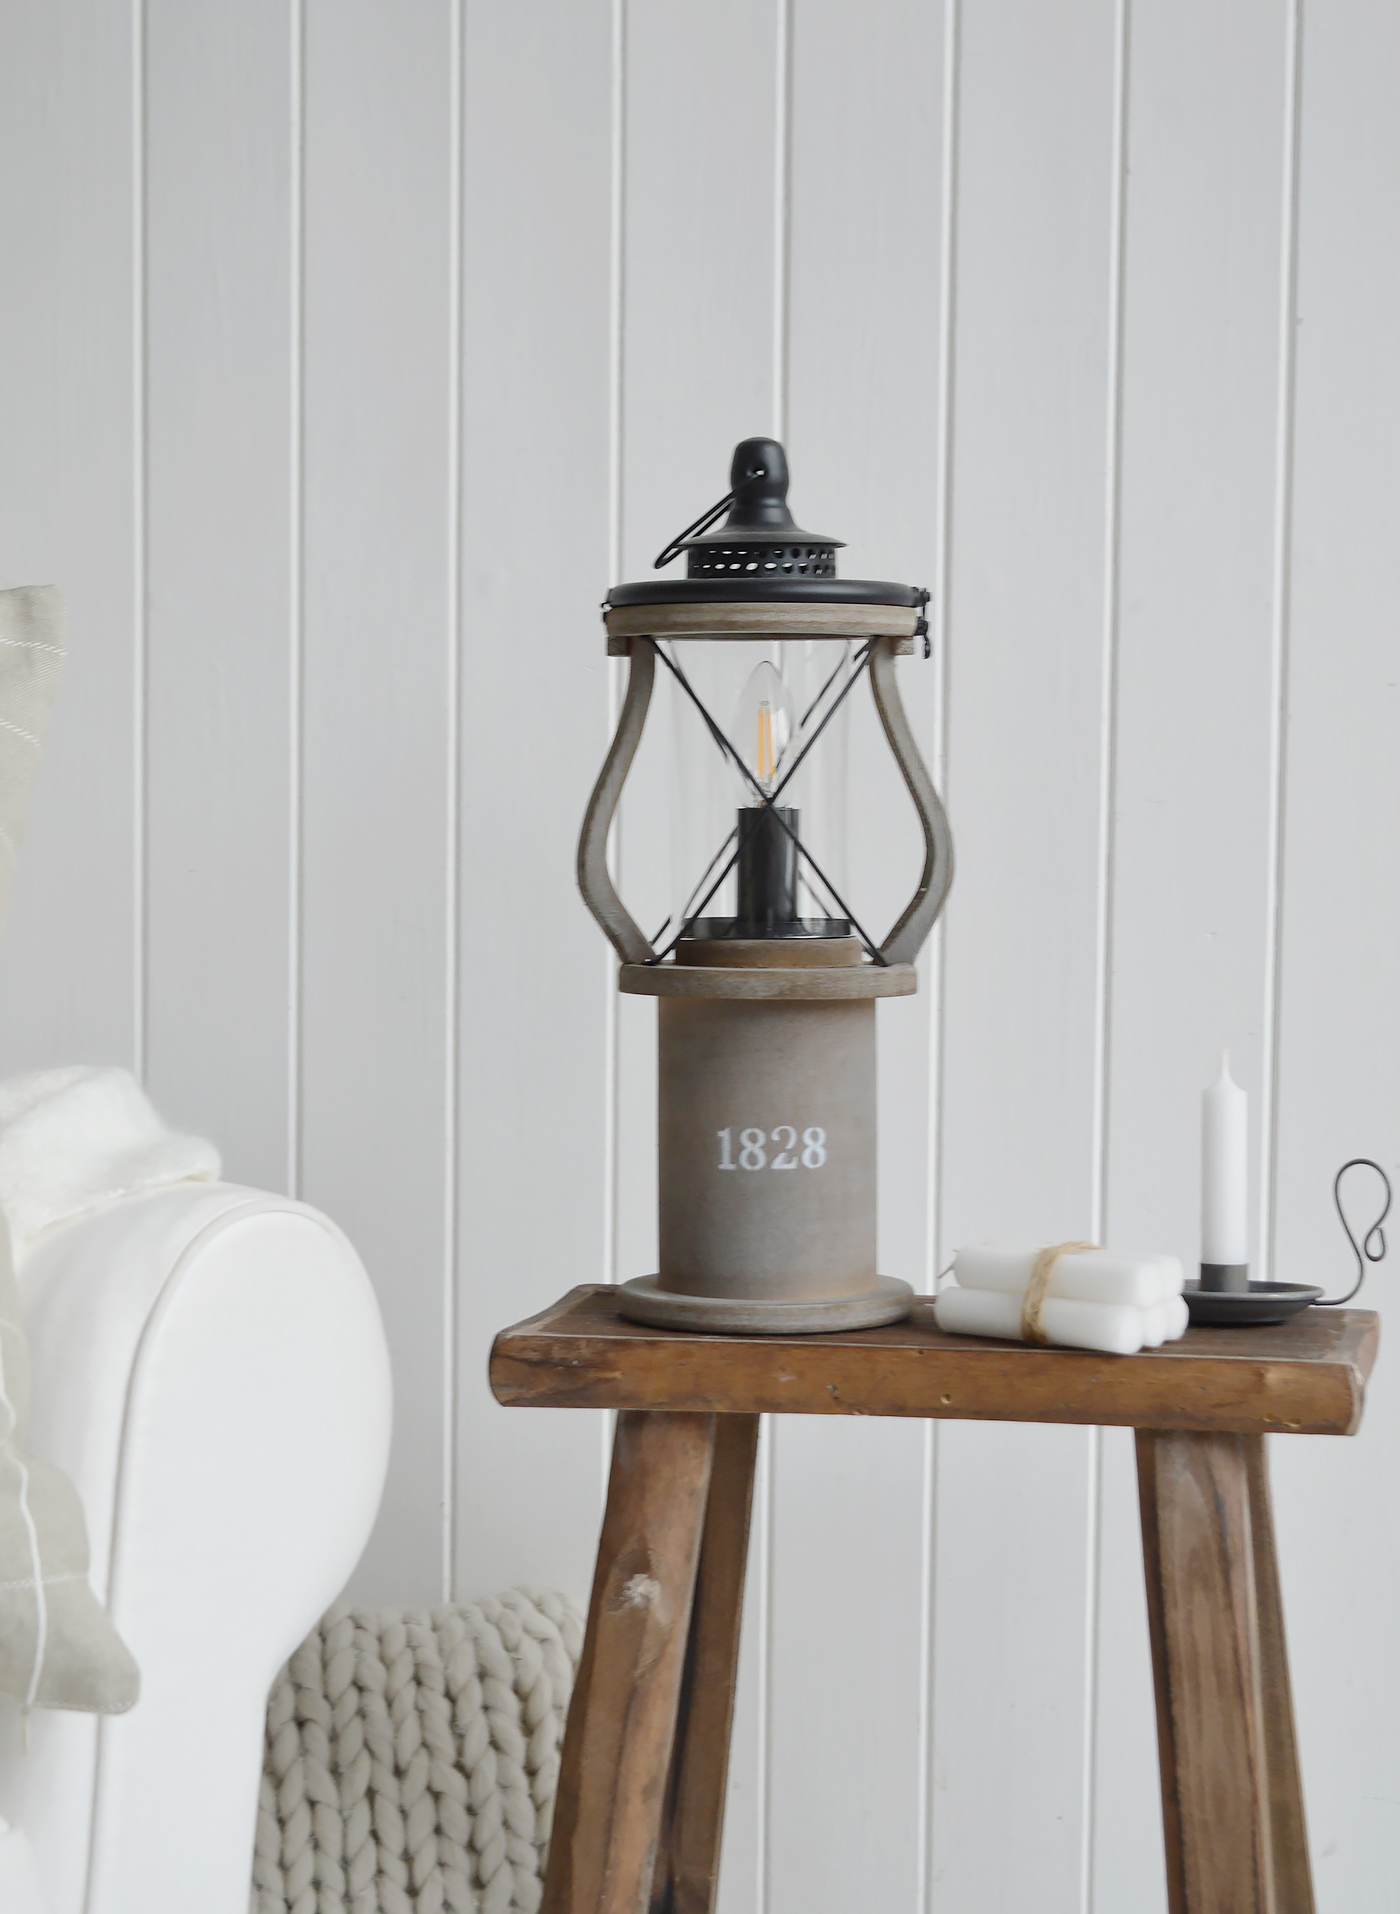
766 982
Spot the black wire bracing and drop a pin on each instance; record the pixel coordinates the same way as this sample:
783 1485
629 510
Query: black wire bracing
768 800
689 909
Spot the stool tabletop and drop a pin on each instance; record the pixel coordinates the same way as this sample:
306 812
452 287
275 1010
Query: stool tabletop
1304 1377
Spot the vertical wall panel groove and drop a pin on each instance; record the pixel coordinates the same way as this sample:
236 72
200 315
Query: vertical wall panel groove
617 338
782 214
1099 1228
938 973
538 128
139 537
1282 582
452 846
1108 748
296 619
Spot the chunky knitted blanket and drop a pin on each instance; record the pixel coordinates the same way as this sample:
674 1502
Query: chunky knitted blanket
412 1759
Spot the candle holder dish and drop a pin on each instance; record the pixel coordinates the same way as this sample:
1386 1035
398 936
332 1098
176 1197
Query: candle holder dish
1252 1307
1210 1302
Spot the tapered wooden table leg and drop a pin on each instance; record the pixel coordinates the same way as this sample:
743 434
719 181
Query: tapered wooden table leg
617 1744
1198 1551
1293 1888
687 1870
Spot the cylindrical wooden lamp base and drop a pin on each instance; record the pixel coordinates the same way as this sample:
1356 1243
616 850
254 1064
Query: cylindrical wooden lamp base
644 1301
766 1148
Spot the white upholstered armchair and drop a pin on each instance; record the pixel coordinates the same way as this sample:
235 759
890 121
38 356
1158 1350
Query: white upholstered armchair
210 1368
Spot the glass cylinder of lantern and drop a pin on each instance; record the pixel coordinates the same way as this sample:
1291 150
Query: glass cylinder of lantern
765 696
766 980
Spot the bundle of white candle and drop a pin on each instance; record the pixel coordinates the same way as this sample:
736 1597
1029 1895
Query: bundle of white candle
1094 1299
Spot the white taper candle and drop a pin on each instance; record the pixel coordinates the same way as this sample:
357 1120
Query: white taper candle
1225 1170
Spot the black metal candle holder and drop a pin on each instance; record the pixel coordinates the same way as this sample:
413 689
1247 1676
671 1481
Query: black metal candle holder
1223 1303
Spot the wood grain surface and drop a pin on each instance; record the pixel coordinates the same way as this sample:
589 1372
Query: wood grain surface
617 1744
686 1878
1305 1377
762 621
693 980
1288 1827
1199 1560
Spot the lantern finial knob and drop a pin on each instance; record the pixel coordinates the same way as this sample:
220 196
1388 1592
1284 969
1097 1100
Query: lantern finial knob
758 479
757 460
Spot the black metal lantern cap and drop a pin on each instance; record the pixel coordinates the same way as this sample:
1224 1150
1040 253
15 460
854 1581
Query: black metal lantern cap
759 555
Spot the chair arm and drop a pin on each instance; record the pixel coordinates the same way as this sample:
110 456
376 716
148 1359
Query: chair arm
210 1367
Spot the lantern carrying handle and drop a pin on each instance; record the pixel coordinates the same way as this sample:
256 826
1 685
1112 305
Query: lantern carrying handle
702 524
907 938
706 519
594 878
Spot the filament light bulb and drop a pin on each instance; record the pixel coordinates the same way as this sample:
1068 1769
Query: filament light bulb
763 725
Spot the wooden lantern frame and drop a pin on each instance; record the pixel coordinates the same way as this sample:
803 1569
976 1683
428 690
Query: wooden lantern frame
634 631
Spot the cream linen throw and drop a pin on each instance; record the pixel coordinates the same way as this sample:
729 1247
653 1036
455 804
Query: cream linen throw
57 1647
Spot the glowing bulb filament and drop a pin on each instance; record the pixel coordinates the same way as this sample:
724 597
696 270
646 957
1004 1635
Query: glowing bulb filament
766 764
763 721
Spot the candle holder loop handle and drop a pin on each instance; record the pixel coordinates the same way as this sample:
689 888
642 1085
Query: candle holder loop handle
1372 1247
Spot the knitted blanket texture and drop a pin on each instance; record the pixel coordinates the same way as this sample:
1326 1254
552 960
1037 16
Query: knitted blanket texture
412 1759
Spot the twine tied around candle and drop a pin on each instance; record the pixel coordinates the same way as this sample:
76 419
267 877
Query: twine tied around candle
1038 1288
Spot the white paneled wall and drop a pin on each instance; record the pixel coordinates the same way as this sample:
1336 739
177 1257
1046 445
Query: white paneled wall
348 350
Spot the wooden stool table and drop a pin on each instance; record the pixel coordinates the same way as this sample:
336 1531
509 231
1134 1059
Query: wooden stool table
638 1814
